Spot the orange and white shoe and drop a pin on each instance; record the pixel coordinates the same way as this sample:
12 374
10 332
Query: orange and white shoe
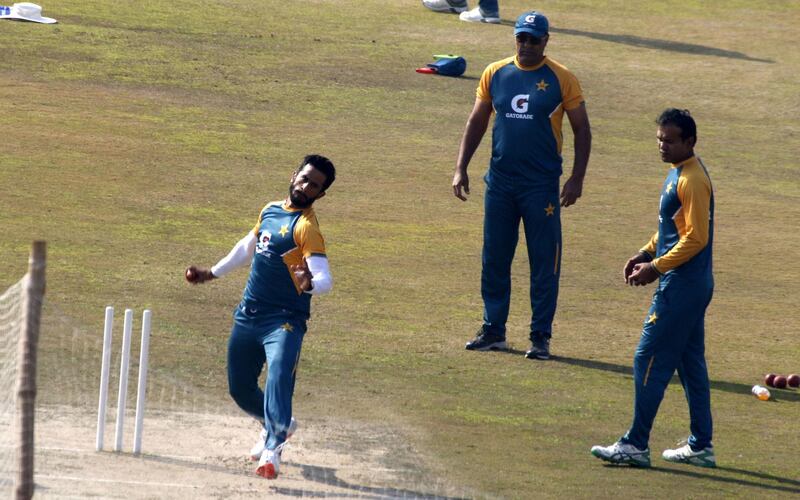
258 448
270 462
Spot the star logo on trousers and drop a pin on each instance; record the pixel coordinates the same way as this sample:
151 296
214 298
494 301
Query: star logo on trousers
652 319
549 209
287 327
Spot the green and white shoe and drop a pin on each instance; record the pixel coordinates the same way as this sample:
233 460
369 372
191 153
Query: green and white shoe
623 454
685 455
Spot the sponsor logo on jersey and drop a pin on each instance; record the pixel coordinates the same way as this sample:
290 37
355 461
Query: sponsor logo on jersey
519 103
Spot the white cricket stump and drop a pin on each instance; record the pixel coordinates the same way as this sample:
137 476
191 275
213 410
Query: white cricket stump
142 387
123 379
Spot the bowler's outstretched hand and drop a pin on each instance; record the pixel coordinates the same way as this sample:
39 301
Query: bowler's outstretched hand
196 275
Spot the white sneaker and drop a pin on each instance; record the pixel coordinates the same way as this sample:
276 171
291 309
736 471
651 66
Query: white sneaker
454 6
270 462
623 453
476 16
258 449
685 455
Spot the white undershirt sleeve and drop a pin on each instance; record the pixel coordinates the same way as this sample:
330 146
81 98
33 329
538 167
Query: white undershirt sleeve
240 255
321 279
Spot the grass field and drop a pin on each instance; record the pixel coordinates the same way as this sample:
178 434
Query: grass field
138 138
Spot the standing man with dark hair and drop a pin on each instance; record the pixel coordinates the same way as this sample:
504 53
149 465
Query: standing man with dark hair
288 264
530 93
679 255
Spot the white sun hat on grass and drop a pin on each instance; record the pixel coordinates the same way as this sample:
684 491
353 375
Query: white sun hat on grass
25 11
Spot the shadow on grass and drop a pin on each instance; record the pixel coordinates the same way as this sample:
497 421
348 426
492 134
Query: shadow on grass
655 43
327 475
719 385
785 484
778 395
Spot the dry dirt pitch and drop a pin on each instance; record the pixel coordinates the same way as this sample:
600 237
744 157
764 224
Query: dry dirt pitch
187 455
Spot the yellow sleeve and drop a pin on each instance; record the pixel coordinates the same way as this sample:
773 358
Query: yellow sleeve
571 93
483 93
651 247
308 236
695 196
483 86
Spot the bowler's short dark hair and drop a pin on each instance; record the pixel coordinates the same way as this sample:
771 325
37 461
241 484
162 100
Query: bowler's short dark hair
681 119
322 164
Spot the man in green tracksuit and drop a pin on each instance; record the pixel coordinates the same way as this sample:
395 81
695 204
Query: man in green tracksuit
673 337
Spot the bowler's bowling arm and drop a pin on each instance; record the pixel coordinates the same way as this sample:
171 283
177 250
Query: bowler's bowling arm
240 255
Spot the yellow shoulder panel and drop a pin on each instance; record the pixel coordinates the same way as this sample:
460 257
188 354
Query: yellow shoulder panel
486 78
571 93
307 234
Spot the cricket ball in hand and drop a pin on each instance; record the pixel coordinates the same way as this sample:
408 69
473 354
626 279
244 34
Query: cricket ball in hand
769 378
793 380
780 382
191 275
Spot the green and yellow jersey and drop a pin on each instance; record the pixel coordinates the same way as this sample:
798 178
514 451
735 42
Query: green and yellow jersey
682 244
285 236
529 102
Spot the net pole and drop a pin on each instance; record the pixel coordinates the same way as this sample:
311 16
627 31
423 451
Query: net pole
26 386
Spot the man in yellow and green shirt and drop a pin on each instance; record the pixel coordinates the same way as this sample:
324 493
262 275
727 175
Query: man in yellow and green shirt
673 337
529 95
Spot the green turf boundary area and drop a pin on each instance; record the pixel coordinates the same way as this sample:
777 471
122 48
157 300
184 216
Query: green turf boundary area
140 137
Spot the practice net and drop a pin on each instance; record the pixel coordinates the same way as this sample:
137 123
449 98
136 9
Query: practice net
196 440
10 328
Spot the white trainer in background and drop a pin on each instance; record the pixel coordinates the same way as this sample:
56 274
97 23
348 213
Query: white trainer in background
476 16
25 11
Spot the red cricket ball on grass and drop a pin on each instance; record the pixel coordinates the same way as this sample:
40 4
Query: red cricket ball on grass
191 275
793 380
769 379
780 382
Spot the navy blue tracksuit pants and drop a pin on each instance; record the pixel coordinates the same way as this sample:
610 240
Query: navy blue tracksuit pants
275 339
673 338
541 214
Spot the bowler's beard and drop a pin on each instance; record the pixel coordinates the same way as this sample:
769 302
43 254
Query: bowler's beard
298 199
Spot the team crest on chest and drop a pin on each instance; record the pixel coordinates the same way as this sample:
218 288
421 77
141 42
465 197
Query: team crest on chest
263 241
